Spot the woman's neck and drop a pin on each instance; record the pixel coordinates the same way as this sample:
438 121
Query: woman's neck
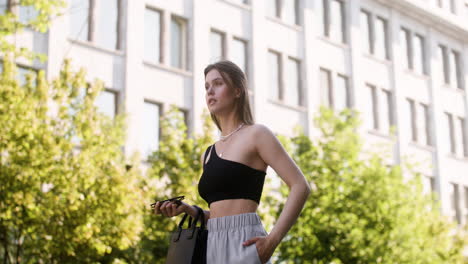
229 124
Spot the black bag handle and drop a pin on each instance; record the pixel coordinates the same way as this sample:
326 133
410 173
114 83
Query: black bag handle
200 216
179 227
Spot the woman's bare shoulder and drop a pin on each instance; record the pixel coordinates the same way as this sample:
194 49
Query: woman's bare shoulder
257 130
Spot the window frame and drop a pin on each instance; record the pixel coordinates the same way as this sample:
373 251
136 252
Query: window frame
326 9
223 42
298 64
246 53
116 94
161 114
280 12
161 34
280 75
92 26
183 23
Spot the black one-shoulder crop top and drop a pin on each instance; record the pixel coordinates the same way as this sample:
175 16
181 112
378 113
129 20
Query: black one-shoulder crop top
224 179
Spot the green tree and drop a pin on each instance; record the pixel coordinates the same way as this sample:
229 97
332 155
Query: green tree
43 12
66 196
362 211
175 169
65 193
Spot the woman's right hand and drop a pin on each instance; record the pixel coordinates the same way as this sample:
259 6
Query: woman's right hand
170 209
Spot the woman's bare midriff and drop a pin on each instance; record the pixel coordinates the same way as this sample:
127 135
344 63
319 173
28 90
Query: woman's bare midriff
232 207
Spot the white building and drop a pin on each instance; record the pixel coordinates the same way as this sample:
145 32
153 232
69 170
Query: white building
400 62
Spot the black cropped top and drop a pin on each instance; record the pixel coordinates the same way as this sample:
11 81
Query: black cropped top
224 179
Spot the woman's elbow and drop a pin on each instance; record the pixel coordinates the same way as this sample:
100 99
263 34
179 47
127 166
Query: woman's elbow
303 187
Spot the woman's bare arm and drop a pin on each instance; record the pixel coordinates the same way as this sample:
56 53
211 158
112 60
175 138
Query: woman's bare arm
273 153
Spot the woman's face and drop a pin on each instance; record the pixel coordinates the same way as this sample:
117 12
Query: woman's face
218 95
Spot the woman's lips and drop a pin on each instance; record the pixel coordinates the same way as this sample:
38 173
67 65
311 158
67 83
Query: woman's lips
211 101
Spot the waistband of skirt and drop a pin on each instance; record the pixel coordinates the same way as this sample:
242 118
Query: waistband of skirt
233 221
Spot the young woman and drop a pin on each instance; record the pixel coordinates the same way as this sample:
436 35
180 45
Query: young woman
234 170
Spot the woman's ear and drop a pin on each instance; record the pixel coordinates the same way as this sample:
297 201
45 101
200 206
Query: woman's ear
238 93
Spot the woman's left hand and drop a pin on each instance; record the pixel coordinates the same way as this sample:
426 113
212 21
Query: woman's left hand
263 246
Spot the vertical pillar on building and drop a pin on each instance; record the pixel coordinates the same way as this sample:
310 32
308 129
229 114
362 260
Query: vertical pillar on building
200 58
258 80
396 78
311 13
133 84
437 119
357 78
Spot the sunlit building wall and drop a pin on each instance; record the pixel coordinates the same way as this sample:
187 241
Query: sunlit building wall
402 63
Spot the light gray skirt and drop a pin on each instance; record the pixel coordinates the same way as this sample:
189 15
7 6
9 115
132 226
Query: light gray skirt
226 235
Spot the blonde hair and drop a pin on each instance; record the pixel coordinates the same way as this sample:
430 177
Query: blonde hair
235 78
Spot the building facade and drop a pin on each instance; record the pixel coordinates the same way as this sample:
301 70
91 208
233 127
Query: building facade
402 63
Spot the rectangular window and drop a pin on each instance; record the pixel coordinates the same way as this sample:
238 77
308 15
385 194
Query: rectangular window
100 26
454 202
341 93
326 95
405 43
325 18
423 128
451 132
385 111
375 107
106 103
26 13
152 36
293 89
428 184
239 53
454 69
274 75
3 6
418 53
290 12
365 31
466 204
413 120
107 29
452 6
460 137
178 42
79 22
466 11
217 40
337 21
151 128
272 8
243 2
464 138
443 56
381 38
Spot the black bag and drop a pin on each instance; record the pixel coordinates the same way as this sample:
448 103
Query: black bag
188 246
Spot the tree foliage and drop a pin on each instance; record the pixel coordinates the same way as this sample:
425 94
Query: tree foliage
175 169
66 196
362 210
